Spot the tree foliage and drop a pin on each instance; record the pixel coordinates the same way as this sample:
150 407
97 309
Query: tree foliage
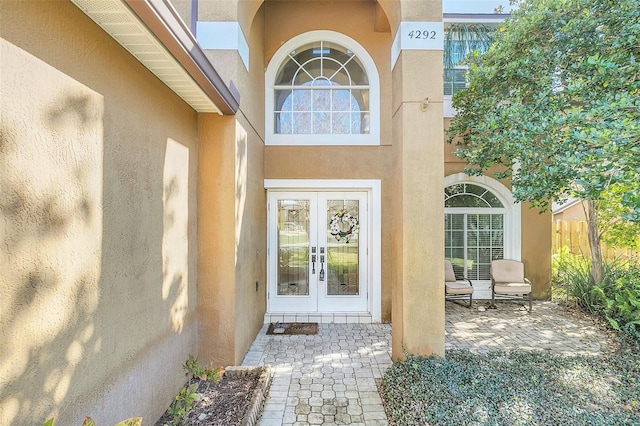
555 103
615 230
462 38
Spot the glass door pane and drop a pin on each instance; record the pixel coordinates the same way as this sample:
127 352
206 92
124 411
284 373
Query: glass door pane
317 258
484 243
343 228
293 247
342 235
454 242
472 241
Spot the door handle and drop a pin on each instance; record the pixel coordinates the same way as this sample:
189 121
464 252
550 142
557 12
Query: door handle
321 277
313 260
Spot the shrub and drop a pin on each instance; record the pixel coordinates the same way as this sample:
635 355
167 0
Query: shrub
619 297
193 369
183 403
571 278
616 298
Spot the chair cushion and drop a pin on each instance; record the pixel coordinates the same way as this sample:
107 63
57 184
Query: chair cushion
458 287
512 288
449 274
507 271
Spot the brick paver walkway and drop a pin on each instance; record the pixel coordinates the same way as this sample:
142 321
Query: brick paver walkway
325 379
329 378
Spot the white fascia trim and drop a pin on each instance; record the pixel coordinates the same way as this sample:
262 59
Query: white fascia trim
319 140
223 36
374 189
128 29
372 138
323 184
448 111
472 20
559 208
513 213
475 6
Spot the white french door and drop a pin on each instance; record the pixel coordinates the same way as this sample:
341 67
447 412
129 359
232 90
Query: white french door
317 259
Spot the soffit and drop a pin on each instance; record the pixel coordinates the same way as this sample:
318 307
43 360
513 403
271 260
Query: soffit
121 23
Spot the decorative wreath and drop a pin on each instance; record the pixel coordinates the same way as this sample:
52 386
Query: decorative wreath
336 227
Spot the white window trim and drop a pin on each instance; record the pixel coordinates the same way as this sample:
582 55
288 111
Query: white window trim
372 138
448 111
374 189
512 210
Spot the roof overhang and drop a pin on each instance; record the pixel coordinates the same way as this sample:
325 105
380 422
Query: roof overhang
153 32
558 207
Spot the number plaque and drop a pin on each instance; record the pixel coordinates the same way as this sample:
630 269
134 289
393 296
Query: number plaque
422 35
418 36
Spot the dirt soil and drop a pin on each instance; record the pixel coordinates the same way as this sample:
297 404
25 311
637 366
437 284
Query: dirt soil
222 403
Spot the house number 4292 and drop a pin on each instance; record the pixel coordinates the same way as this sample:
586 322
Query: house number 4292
422 35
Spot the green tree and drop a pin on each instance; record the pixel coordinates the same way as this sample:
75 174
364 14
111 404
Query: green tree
554 104
615 230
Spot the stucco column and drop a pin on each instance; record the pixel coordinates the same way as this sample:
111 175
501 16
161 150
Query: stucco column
216 239
418 289
231 197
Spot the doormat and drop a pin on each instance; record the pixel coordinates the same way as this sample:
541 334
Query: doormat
293 328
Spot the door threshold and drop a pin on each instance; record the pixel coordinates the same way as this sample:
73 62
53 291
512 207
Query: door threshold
320 317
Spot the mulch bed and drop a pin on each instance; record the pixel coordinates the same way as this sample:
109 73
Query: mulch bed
293 328
222 403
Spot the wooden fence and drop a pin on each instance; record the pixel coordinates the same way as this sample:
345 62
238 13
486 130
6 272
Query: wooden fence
573 234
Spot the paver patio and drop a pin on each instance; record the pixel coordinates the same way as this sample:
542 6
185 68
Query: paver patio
510 326
330 378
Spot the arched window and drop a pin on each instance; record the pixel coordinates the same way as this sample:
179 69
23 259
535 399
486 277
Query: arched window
322 89
469 195
474 229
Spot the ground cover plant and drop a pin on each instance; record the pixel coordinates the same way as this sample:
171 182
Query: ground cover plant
514 388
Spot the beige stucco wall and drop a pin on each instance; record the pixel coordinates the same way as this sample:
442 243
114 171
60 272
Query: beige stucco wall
184 9
98 222
216 243
536 249
418 226
232 212
232 218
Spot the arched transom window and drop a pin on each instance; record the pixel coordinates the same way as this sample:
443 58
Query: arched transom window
322 89
322 93
469 195
474 229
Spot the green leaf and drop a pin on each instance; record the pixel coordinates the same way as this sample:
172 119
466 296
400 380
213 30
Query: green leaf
88 421
133 421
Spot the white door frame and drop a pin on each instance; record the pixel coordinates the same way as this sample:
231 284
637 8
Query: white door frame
373 188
